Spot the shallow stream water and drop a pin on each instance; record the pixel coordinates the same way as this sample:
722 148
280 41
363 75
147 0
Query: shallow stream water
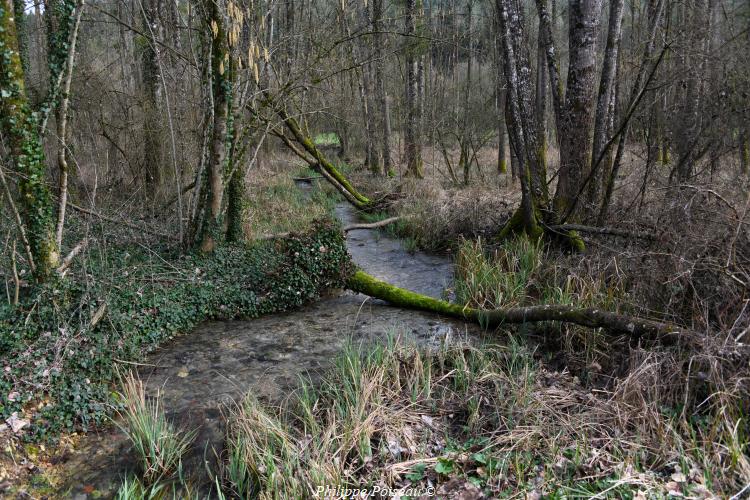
199 374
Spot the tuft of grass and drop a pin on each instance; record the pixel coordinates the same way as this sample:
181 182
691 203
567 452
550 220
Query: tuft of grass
502 278
327 139
158 444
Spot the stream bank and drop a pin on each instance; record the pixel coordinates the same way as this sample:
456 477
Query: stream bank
199 374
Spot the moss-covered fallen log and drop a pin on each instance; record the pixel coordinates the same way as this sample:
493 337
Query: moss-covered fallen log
320 162
589 317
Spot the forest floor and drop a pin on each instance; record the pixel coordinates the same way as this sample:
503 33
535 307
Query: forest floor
551 411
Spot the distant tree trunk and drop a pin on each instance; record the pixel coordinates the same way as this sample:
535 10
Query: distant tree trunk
540 104
412 146
19 128
129 70
152 139
464 134
605 100
502 165
380 86
220 88
364 86
688 126
574 128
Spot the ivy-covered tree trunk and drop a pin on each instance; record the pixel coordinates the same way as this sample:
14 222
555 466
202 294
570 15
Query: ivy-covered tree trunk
211 232
19 127
152 140
19 9
234 165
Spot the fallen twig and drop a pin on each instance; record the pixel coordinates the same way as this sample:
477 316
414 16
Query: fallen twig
604 230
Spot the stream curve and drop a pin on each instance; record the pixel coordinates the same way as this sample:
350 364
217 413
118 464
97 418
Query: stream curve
199 374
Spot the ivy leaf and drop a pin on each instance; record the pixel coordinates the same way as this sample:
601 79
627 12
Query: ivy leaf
444 466
417 473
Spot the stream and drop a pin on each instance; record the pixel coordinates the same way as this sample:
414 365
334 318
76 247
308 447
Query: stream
199 374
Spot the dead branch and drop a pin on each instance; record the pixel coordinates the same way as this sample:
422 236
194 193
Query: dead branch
68 260
372 225
604 230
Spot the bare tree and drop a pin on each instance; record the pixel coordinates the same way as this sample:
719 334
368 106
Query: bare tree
412 133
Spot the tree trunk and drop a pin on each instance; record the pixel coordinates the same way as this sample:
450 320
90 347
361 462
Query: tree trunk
521 127
574 129
588 317
502 164
655 10
152 139
381 94
61 117
540 105
604 106
688 125
412 146
211 232
19 129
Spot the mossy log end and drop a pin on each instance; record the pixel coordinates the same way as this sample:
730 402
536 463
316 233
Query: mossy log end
588 317
323 165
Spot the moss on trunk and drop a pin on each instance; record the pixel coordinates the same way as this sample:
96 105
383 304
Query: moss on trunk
588 317
322 162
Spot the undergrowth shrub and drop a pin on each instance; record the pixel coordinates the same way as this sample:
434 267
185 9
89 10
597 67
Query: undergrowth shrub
61 344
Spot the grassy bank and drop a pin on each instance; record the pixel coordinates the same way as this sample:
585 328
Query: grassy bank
459 419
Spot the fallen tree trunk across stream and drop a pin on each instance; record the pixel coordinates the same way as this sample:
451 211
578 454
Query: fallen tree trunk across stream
589 317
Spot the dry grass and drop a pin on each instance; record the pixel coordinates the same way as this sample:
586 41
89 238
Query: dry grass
465 419
693 404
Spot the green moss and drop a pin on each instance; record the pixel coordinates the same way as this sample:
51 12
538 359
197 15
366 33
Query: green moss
364 283
502 166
